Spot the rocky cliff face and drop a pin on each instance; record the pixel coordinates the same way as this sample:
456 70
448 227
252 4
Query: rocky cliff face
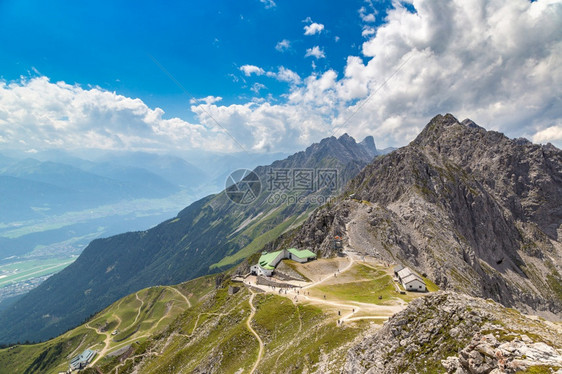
474 210
449 332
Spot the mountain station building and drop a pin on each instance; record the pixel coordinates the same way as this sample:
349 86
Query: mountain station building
269 261
410 280
82 360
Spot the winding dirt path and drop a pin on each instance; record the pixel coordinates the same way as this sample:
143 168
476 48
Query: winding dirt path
106 342
382 312
348 266
108 336
181 294
139 310
248 323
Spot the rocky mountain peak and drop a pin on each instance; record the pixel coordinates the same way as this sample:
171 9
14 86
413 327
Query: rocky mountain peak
369 144
344 149
346 138
476 211
470 123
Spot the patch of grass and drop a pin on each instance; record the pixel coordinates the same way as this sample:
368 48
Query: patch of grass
293 348
431 287
555 284
220 340
255 245
364 291
540 369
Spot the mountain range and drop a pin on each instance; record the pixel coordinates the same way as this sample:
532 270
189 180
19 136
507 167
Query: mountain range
476 214
475 211
211 234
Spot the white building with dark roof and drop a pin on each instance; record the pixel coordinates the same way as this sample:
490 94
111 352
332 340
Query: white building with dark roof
411 281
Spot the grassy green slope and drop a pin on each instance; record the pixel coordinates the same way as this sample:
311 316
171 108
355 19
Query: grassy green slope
261 240
176 250
213 337
135 317
199 326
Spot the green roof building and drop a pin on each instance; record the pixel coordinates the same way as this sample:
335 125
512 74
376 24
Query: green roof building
269 261
82 360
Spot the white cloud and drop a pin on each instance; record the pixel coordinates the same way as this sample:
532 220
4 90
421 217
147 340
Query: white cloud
366 16
368 31
551 134
36 114
498 62
256 87
285 75
313 29
283 45
316 52
251 69
208 100
268 3
489 61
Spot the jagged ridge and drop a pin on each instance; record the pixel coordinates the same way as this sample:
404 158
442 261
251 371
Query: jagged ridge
476 211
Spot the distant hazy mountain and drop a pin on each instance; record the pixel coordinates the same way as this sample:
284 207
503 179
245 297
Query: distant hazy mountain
211 233
31 188
173 169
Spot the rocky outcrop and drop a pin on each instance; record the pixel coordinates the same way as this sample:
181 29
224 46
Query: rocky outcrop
474 210
486 354
450 332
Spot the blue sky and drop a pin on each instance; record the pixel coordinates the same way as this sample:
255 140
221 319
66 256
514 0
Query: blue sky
202 44
273 76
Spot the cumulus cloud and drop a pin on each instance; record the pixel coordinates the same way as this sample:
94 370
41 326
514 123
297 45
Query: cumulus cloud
496 62
551 134
313 29
490 61
316 52
283 45
285 75
251 69
208 100
39 114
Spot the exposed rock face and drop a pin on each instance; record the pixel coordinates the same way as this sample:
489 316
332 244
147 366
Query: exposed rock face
485 354
369 144
449 332
476 211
